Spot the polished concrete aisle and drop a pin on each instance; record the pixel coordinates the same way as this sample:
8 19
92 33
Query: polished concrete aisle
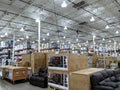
5 85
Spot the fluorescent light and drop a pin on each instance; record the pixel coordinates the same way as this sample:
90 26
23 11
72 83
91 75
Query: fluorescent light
27 37
64 37
6 34
65 28
92 19
48 34
117 32
107 27
64 4
22 29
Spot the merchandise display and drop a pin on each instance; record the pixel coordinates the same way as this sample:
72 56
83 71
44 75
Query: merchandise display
59 44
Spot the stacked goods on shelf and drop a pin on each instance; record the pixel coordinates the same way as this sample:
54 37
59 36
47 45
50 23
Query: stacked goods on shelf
61 65
6 53
21 50
84 50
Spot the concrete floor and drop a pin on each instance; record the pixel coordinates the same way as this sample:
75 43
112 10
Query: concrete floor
5 85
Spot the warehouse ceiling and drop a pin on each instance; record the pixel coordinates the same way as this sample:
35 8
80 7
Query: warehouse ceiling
83 19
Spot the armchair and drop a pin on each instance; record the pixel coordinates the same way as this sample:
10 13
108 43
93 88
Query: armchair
40 79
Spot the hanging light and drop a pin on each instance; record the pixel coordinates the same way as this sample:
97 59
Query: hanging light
77 39
2 36
107 27
6 34
117 32
22 29
103 39
58 41
43 39
64 4
48 34
37 20
18 40
109 41
64 37
65 28
92 19
27 37
87 42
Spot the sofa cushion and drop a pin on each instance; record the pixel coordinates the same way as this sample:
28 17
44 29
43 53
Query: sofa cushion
108 79
37 79
110 73
105 74
117 71
110 84
118 79
103 88
96 78
113 79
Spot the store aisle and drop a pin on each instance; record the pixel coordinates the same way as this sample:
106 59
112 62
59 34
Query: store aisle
5 85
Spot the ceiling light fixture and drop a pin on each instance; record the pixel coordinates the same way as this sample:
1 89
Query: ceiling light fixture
92 19
103 39
27 37
64 37
58 41
18 40
48 34
117 32
64 4
87 42
22 29
109 41
2 36
65 28
77 39
107 27
37 20
6 34
69 42
43 39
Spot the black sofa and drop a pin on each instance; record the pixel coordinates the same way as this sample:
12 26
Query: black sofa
106 80
40 79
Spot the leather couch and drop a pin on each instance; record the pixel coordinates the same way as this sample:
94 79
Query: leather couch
40 79
106 80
